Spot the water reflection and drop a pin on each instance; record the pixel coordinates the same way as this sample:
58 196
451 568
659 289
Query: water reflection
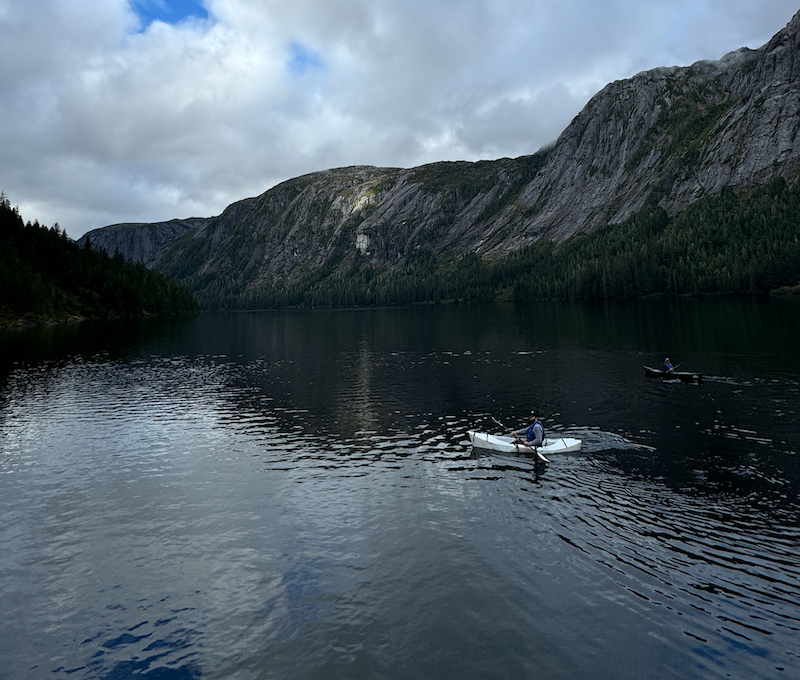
221 495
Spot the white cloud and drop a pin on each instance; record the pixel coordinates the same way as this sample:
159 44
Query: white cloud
105 122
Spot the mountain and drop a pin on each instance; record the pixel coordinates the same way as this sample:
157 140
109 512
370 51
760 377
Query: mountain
665 138
141 242
45 277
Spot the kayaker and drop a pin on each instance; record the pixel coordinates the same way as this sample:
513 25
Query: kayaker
534 433
668 367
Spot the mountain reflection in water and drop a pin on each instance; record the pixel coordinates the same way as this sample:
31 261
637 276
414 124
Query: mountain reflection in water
293 495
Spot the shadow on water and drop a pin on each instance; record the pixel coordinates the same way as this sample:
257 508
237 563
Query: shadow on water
688 327
339 372
309 430
130 670
139 652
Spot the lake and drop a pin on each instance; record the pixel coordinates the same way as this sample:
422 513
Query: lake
292 494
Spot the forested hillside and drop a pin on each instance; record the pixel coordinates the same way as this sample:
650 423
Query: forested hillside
745 242
732 243
47 277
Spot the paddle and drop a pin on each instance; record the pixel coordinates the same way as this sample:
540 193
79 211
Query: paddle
539 454
505 429
532 448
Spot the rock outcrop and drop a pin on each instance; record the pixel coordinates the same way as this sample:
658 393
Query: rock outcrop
665 137
142 242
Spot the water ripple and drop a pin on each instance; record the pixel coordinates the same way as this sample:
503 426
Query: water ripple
203 517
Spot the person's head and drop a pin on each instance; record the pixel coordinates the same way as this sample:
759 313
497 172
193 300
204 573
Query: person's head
534 417
666 361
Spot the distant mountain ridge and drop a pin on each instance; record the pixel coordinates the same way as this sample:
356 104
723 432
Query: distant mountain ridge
667 137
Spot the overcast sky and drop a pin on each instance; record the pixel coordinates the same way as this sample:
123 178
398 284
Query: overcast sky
145 110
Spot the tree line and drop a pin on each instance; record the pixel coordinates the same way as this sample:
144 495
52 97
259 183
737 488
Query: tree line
729 244
45 276
732 243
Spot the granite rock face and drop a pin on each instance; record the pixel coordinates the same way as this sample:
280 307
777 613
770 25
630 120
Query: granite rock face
141 242
665 137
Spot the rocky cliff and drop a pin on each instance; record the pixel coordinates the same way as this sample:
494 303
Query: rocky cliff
141 242
666 137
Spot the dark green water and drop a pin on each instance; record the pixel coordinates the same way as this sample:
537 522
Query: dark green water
292 495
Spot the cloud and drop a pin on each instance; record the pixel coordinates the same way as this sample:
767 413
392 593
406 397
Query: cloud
112 114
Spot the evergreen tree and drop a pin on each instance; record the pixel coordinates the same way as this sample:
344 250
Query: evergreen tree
45 276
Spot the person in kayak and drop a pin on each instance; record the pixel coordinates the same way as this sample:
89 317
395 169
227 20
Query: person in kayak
668 367
534 433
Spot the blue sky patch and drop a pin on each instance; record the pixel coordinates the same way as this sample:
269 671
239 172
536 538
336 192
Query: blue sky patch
168 11
302 60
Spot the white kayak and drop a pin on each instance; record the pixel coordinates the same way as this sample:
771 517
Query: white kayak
492 442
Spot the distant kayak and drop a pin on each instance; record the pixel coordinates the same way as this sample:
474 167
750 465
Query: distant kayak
683 376
492 442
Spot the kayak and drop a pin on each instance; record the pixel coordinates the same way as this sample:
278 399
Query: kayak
683 376
492 442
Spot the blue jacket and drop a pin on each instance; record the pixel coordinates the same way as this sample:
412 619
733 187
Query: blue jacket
535 434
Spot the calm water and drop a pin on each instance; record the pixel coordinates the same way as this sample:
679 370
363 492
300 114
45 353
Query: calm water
292 495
